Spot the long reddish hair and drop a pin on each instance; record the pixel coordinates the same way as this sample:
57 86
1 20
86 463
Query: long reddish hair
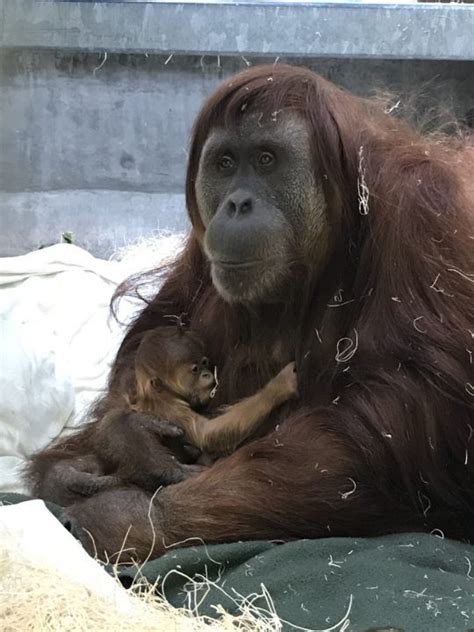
384 336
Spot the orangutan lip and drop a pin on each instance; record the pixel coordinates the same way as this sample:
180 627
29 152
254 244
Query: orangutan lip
236 264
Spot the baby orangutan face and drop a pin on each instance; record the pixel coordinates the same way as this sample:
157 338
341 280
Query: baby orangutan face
195 382
172 360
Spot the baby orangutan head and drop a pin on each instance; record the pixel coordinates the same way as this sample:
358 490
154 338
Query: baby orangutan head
172 360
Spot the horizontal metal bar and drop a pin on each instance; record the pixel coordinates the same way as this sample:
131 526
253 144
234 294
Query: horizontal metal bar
400 31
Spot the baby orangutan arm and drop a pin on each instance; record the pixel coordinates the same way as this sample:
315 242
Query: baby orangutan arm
133 445
224 433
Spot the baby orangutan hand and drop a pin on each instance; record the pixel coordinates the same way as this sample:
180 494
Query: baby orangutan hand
286 382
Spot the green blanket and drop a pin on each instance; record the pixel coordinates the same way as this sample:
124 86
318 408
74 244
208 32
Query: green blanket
416 582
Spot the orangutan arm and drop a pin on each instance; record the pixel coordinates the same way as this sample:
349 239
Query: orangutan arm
222 434
285 485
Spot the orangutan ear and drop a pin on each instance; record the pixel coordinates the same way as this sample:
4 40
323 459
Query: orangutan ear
156 384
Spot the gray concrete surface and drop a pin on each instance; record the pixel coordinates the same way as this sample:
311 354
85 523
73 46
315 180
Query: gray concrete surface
402 31
101 221
97 144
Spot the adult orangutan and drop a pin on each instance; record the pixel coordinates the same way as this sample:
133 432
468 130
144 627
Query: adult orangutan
329 233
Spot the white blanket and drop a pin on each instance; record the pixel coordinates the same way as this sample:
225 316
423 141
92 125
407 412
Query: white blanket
57 342
22 526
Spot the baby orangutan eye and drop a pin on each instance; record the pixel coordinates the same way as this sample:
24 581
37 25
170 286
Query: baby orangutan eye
194 369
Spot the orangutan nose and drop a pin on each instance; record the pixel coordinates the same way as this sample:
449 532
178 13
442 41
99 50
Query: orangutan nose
239 203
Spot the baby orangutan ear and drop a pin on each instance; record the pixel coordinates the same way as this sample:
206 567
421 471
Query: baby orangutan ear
156 384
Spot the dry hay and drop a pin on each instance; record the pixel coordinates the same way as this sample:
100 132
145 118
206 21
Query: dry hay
40 599
146 253
48 583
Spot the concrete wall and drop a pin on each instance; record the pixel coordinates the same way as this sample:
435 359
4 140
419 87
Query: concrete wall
99 147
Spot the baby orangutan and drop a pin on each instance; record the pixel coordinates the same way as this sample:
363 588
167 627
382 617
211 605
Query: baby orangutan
173 381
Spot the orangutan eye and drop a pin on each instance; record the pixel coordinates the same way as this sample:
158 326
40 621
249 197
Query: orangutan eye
225 163
194 369
266 159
